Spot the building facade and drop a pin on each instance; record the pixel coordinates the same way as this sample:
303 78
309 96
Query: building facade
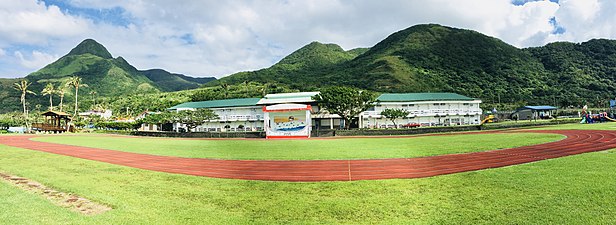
424 109
241 114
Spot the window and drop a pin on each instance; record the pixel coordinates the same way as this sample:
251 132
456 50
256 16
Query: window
442 103
370 109
465 104
435 104
411 105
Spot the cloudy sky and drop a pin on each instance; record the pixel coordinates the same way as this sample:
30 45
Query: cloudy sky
217 38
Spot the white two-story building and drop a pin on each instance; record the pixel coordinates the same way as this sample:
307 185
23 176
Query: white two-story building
240 114
425 109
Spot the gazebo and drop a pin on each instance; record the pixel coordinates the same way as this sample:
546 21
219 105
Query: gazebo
54 122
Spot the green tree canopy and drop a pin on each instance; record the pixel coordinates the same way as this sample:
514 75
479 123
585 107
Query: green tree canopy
347 102
393 114
158 118
195 118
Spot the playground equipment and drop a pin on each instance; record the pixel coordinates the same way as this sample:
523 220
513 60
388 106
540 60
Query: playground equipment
595 118
610 119
488 119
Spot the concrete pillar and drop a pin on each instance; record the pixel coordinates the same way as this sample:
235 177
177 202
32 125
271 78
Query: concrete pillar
331 123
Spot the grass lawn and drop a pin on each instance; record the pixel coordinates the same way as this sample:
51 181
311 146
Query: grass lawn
578 126
578 189
348 148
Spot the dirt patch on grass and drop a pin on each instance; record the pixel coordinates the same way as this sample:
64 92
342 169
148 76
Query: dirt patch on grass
66 200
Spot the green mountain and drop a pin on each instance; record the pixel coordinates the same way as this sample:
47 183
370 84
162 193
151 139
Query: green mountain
435 58
167 81
92 47
584 72
9 98
94 64
304 66
105 76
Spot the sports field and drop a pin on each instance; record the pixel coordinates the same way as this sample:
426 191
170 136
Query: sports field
332 148
568 190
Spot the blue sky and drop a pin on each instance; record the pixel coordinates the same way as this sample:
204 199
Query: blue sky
218 38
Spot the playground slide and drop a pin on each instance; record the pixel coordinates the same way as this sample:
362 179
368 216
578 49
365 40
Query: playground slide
488 119
610 119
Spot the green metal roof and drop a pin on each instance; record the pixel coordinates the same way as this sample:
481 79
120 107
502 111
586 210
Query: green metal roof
417 97
291 95
236 102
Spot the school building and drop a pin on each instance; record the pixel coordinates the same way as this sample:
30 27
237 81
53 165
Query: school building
425 109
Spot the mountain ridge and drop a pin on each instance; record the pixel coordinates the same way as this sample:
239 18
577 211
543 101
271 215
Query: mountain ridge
105 76
436 58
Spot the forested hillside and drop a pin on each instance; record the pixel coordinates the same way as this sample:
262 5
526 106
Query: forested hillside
435 58
104 76
422 58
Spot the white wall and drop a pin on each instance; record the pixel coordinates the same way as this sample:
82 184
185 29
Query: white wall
230 119
428 113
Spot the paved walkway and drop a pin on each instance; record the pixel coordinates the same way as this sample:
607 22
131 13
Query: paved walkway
576 142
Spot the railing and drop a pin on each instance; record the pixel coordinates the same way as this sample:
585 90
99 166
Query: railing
431 112
47 127
240 117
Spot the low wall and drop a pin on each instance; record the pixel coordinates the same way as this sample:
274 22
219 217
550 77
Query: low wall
410 131
260 134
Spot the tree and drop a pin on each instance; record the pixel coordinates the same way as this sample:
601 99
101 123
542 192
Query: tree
49 90
225 89
93 93
22 86
347 102
158 118
393 114
61 91
195 118
75 82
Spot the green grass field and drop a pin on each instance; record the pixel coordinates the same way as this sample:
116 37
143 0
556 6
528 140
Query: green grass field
578 189
578 126
349 148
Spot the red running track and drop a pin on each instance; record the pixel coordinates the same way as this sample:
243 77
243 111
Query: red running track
576 142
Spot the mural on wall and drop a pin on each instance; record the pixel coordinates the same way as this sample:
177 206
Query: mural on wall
287 120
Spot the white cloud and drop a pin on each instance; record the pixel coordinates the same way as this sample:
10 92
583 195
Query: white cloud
36 59
217 38
585 19
2 52
31 22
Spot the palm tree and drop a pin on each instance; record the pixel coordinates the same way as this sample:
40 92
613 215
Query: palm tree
61 91
93 93
49 90
22 86
75 82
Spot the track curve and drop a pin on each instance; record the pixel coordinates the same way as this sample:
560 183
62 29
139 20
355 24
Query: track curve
576 142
